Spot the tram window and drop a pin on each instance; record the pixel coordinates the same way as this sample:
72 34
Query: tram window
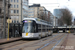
43 26
29 27
48 27
39 30
39 26
36 27
43 30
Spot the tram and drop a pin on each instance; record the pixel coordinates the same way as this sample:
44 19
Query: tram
36 28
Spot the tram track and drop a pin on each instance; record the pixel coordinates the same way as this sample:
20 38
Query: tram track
12 44
64 43
50 42
25 42
58 42
28 45
35 44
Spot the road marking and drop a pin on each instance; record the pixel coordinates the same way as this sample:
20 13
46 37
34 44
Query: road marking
58 43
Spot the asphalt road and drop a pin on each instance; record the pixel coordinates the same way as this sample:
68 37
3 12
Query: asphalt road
47 43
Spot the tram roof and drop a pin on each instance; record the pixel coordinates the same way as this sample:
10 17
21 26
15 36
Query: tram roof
38 20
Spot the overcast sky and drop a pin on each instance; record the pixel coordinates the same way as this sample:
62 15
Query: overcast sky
53 4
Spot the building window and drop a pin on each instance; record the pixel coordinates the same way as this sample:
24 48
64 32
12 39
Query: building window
25 7
11 6
38 8
17 6
17 1
14 11
11 0
17 21
14 6
14 21
17 11
14 0
11 11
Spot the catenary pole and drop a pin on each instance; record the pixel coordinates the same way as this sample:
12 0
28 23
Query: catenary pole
4 32
8 18
21 10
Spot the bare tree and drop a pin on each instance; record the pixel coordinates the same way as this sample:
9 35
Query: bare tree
60 22
45 16
66 17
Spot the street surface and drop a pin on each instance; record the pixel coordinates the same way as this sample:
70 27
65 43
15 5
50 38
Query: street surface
54 42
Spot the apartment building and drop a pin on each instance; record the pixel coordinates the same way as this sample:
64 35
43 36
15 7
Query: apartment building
33 10
16 12
38 11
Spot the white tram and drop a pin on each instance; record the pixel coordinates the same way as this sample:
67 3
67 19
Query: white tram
36 28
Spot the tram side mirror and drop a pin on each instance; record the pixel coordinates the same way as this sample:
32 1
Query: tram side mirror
22 22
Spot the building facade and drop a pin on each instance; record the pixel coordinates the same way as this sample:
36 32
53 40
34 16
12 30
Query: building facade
33 10
54 20
57 13
2 17
18 10
38 11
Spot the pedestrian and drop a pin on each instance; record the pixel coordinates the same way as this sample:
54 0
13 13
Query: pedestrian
16 33
10 30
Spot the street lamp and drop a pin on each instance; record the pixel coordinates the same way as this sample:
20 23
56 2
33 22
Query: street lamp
9 21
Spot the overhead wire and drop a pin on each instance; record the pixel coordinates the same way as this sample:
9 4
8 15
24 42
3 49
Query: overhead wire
48 4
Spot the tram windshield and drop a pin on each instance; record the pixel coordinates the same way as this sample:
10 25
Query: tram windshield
28 27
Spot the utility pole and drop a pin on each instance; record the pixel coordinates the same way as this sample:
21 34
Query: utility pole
8 8
8 18
21 10
4 32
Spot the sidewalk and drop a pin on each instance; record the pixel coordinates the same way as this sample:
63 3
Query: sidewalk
10 40
70 42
